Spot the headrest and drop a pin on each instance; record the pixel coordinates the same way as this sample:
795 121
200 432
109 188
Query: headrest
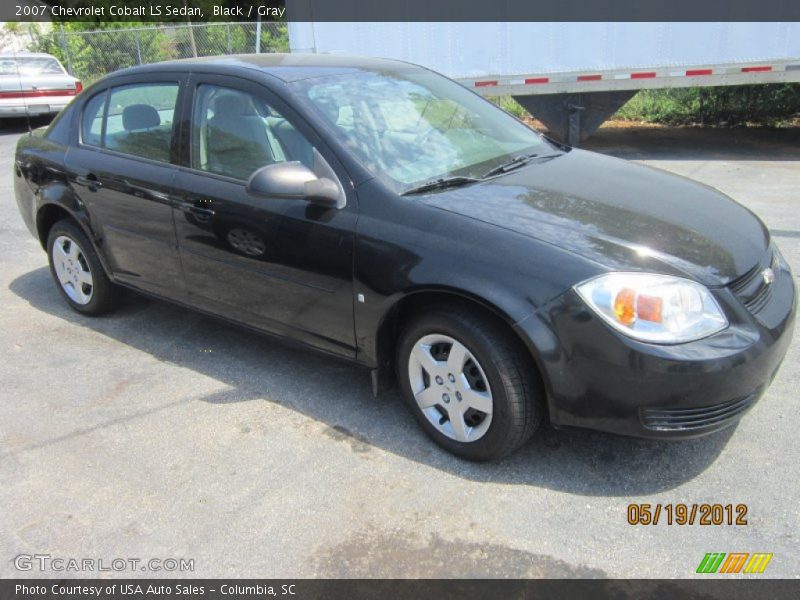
231 105
140 116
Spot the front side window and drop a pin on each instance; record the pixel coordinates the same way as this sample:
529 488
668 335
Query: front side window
409 126
136 120
234 133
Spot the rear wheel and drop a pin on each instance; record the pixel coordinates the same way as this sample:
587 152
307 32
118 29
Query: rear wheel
469 383
77 271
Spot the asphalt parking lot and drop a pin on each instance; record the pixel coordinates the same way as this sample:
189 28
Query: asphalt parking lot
160 433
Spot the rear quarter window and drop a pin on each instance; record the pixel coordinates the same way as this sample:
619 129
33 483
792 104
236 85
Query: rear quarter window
92 120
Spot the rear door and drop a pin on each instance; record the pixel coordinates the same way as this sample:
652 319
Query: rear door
281 264
122 169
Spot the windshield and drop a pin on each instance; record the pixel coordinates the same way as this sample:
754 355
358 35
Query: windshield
30 65
411 126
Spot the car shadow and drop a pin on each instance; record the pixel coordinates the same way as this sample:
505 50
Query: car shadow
697 144
338 394
20 124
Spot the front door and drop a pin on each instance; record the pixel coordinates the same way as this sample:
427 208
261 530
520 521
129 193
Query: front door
283 264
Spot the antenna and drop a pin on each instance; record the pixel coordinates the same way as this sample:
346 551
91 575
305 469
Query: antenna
22 93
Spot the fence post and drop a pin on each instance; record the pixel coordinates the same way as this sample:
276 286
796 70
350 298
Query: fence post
192 41
65 49
230 46
137 34
258 35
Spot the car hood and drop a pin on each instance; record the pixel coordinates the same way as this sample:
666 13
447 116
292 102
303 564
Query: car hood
622 215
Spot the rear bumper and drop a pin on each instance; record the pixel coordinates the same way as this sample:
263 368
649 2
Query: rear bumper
35 107
600 379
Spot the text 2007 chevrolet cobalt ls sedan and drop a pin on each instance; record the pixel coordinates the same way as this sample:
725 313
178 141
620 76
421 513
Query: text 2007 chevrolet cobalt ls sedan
380 212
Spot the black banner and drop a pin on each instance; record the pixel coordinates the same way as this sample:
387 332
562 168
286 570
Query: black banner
399 10
355 589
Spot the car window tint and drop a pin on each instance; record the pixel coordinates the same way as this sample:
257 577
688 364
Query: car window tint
92 121
235 133
139 120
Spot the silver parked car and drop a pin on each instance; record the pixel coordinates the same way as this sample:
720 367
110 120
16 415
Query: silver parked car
34 84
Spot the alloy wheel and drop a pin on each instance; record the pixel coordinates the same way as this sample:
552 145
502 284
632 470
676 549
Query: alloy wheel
450 387
72 270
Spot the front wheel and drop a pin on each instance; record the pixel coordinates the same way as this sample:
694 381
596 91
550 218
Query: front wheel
469 383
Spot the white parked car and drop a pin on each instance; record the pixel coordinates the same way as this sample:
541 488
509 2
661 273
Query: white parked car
34 84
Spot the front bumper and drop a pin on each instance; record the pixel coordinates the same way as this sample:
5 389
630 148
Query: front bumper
600 379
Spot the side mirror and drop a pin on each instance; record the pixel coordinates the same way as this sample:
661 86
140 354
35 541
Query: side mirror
293 180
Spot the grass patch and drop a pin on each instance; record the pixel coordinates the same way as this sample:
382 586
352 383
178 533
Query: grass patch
508 104
772 105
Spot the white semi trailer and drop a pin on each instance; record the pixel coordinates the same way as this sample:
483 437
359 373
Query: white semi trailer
572 76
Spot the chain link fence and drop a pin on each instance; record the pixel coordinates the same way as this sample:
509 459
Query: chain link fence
88 55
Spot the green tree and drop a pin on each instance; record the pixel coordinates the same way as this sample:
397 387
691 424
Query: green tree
90 50
211 39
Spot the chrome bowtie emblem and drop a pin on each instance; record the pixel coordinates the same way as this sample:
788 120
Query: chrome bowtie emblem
768 275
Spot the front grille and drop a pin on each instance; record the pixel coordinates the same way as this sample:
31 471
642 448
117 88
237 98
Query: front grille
751 288
687 419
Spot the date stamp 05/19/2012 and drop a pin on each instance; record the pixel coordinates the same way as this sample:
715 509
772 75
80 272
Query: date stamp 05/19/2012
687 514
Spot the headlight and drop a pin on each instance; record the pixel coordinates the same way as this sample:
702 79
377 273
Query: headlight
654 308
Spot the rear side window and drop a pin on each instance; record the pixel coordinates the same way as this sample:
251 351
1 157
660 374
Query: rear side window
137 120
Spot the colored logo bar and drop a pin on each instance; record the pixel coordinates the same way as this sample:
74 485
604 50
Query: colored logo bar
734 562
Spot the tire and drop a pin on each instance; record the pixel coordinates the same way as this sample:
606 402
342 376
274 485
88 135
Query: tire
77 271
497 373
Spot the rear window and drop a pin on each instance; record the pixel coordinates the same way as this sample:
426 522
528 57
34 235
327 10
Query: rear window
30 65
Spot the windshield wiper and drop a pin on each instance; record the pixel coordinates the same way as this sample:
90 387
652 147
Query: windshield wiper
440 184
515 163
459 180
512 164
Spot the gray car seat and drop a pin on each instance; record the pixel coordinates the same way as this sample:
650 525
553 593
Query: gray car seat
237 138
142 135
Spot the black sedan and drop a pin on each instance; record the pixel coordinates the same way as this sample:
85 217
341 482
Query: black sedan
382 213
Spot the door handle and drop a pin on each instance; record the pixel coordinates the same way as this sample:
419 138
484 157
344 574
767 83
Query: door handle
90 181
195 210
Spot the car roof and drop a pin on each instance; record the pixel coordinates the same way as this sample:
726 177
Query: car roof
287 67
